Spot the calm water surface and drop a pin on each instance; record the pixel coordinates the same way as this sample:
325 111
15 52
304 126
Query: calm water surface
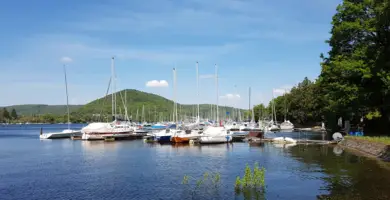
64 169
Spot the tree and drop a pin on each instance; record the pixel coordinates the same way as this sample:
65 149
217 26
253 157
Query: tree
355 76
303 105
6 115
1 116
13 114
260 112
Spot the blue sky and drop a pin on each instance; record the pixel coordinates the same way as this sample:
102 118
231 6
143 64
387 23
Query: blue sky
260 44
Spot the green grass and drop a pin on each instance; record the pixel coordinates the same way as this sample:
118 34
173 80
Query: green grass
382 140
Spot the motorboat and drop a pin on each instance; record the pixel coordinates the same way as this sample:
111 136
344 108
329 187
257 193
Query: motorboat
99 130
67 133
214 135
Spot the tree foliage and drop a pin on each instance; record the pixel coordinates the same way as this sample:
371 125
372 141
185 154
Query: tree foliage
355 75
6 115
14 115
303 105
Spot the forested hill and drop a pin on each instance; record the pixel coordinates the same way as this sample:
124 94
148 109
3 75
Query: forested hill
154 106
36 109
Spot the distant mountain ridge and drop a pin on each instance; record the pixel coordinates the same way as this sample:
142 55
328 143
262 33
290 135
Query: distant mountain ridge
155 106
36 109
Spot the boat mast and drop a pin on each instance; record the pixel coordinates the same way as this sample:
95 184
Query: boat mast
273 106
67 98
235 111
216 83
285 105
249 108
174 97
143 114
197 88
113 88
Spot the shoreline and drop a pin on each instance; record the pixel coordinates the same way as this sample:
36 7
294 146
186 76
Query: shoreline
368 148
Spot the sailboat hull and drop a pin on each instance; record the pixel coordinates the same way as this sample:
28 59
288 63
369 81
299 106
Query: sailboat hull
59 135
164 139
215 139
177 139
256 134
102 136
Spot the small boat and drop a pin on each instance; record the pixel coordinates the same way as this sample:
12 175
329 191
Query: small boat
58 135
99 131
67 133
256 134
215 139
284 140
286 125
273 127
184 136
164 136
215 135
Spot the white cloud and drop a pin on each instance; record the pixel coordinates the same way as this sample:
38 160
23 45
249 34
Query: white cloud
66 59
156 83
230 96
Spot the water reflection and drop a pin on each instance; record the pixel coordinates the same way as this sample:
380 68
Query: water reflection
250 193
98 146
347 176
283 146
337 150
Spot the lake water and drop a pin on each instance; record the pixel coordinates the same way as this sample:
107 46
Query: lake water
64 169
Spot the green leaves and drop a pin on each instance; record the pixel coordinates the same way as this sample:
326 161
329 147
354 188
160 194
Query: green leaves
354 77
251 180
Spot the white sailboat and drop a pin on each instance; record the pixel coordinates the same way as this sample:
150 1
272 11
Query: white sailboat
272 126
67 133
216 134
115 129
286 125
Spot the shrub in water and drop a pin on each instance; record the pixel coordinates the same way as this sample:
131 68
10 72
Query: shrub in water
252 178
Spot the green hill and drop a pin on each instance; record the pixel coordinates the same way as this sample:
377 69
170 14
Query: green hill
155 107
34 109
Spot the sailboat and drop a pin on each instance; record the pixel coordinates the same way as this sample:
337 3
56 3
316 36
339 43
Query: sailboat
67 133
193 132
286 125
116 129
216 134
165 135
272 126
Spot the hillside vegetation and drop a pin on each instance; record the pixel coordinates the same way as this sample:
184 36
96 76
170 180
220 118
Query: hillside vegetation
36 109
156 108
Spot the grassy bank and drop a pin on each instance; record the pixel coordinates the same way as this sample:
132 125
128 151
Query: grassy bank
381 140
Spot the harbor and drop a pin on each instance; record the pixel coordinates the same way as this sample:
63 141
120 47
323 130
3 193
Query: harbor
193 100
134 169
